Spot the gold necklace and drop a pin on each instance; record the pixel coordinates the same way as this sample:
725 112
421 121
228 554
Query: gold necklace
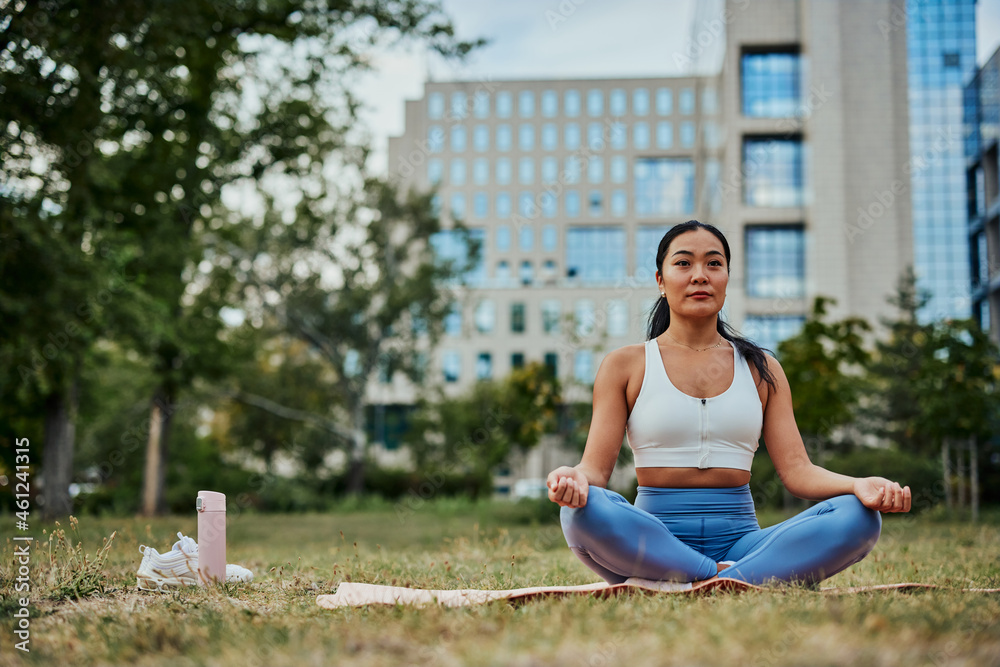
696 349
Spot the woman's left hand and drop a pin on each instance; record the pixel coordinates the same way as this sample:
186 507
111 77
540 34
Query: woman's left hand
880 494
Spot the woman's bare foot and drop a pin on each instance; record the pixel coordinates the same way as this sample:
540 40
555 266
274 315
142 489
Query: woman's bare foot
723 565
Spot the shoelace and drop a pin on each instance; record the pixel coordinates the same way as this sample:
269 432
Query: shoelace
185 544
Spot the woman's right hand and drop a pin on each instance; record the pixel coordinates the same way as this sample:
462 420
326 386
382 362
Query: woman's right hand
568 487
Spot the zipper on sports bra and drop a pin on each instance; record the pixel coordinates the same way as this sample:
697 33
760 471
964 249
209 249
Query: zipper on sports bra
703 461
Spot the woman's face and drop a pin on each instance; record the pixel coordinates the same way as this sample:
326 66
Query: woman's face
694 274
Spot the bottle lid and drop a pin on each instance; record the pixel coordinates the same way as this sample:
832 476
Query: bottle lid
211 501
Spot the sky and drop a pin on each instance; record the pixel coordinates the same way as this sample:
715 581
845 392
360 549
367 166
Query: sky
553 39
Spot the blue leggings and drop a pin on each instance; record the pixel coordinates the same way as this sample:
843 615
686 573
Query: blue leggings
680 535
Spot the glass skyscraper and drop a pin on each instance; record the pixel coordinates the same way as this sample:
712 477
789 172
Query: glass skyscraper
941 45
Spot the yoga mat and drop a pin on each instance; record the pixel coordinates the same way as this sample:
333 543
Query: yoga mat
352 594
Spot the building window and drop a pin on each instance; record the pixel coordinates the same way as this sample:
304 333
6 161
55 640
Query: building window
459 105
485 316
550 170
573 204
451 365
573 169
458 206
617 317
583 366
527 207
619 203
550 237
526 171
435 139
647 242
550 137
484 366
504 137
481 104
595 204
517 317
619 169
481 138
503 206
595 136
481 171
517 360
664 187
435 170
769 330
595 102
664 135
458 171
595 170
618 104
775 262
458 138
503 238
435 106
687 134
619 136
551 313
526 104
453 321
505 104
552 363
595 255
640 102
571 103
640 136
771 84
504 171
526 235
527 273
773 169
571 136
480 205
686 101
583 313
503 273
710 101
549 272
526 137
550 104
664 101
549 206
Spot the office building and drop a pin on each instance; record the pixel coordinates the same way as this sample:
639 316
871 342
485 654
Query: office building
982 108
941 55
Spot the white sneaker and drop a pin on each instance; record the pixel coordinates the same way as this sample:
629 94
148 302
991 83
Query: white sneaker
234 573
161 572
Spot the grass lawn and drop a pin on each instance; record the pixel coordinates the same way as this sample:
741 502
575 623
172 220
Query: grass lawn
454 544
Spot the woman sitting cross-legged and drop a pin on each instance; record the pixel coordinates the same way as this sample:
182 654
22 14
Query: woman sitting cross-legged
693 401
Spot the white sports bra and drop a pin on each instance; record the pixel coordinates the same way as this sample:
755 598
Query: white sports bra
670 429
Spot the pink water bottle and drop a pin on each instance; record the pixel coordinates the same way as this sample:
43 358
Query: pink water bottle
211 537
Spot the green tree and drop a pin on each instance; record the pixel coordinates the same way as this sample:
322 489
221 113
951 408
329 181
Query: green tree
473 433
123 123
824 364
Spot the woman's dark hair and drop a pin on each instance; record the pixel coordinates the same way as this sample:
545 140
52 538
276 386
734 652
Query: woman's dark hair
659 318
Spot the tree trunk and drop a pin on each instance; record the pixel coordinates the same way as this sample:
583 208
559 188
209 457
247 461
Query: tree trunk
946 472
960 475
157 445
974 463
57 459
356 464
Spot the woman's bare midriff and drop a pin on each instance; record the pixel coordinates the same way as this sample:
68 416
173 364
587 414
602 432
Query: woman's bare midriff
692 478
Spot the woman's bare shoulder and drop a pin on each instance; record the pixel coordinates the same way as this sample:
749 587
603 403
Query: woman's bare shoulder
624 359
